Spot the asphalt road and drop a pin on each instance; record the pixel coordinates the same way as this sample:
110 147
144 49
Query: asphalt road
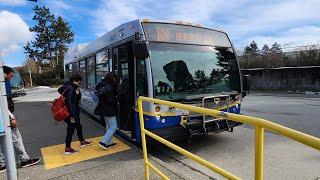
300 112
284 158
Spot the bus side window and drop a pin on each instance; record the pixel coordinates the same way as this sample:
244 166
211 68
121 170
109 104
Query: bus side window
66 72
103 65
82 72
70 71
91 72
73 70
76 67
141 78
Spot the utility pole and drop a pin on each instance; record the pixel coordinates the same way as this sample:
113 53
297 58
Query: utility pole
6 136
30 72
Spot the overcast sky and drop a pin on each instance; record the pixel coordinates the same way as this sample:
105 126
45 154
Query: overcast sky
289 22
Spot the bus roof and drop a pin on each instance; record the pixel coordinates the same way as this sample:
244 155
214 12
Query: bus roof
119 33
179 23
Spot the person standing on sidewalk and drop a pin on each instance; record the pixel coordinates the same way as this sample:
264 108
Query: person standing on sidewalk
18 145
107 108
71 92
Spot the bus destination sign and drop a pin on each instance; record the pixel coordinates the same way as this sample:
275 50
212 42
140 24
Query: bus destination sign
174 33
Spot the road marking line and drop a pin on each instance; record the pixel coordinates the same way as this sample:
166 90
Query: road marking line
53 156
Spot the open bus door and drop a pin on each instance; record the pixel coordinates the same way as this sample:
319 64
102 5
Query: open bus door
124 67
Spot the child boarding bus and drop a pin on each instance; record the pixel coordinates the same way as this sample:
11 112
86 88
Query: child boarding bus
173 61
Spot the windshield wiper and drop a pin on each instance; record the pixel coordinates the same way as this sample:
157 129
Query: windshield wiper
185 100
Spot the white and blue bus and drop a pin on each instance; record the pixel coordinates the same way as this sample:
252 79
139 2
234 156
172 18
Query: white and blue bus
173 61
17 85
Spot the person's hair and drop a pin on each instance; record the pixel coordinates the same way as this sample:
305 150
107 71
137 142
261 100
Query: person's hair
75 77
109 77
7 70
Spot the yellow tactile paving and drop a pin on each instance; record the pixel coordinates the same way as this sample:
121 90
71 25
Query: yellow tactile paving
54 157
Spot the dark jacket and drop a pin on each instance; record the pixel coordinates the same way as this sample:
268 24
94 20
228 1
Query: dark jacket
9 96
107 105
123 88
72 98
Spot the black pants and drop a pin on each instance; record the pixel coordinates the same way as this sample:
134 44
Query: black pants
70 130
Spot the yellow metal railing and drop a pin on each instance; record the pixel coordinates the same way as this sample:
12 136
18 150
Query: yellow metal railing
259 124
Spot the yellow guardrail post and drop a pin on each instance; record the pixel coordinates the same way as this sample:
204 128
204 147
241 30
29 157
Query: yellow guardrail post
259 142
143 138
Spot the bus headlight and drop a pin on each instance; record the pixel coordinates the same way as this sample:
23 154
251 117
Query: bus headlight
157 109
163 120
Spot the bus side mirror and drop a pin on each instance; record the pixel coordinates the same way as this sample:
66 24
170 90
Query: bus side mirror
245 85
140 50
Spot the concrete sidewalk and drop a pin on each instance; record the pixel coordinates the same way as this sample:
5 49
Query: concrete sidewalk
121 166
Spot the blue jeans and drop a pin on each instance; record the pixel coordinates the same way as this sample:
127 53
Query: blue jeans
111 127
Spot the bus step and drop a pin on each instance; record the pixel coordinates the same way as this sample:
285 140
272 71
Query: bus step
216 126
196 132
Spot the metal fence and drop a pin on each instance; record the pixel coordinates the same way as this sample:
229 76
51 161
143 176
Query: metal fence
259 124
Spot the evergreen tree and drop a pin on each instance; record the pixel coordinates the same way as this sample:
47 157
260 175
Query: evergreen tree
51 42
31 53
229 68
215 76
265 49
62 36
41 49
276 48
201 78
251 49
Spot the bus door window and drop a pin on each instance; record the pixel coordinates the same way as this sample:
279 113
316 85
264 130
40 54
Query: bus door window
141 78
76 64
126 90
115 60
123 61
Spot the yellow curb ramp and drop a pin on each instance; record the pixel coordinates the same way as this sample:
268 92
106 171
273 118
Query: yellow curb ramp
54 157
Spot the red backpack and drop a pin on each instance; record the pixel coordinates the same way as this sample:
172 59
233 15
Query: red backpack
59 108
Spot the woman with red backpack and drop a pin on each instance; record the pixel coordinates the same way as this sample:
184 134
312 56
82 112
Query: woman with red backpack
70 90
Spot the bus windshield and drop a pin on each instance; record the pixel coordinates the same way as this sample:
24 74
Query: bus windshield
188 72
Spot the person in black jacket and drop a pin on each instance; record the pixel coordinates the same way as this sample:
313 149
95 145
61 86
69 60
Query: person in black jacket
124 103
71 92
107 107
